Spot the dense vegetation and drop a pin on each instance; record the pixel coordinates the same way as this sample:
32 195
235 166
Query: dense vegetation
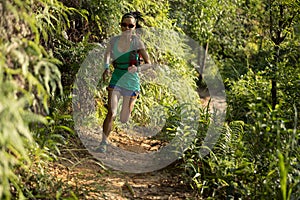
255 45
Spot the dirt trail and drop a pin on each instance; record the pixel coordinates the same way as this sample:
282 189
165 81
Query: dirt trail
91 180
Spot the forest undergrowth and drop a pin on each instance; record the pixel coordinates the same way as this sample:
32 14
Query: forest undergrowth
88 178
249 47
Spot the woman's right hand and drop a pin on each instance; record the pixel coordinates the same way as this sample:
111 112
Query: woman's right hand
105 74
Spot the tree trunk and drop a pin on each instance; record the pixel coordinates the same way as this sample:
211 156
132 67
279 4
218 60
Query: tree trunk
202 56
274 93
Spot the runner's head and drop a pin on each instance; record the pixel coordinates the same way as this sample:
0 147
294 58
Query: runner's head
130 21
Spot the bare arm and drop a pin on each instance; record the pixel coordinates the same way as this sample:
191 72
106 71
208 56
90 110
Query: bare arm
146 57
107 56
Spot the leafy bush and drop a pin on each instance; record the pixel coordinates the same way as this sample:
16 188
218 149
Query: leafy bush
16 138
250 89
249 161
226 171
256 154
30 78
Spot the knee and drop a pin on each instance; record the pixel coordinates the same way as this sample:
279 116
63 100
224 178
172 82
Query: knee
111 115
124 119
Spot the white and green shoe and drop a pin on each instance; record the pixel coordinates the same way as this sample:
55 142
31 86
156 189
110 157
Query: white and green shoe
102 147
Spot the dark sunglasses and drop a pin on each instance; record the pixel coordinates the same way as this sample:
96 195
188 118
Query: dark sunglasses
127 25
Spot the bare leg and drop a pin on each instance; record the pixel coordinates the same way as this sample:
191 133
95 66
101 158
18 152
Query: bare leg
113 98
127 107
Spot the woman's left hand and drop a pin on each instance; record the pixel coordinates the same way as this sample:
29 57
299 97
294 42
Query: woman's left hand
132 69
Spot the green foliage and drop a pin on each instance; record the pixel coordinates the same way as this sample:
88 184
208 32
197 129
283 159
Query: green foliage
30 78
220 28
16 138
161 86
218 175
205 14
244 163
271 133
252 42
101 19
59 128
267 131
155 13
288 77
249 89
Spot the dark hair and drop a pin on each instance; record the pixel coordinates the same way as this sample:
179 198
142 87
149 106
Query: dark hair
136 15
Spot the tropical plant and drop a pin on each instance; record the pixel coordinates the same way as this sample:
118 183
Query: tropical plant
29 80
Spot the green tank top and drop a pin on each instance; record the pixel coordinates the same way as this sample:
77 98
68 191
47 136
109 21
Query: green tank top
121 77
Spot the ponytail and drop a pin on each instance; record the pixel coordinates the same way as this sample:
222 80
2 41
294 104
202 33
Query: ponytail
138 17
